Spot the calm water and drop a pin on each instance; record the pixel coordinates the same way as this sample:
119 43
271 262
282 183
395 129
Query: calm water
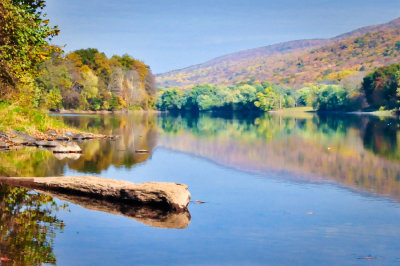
278 190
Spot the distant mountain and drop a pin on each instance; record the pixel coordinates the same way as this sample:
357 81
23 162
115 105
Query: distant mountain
344 58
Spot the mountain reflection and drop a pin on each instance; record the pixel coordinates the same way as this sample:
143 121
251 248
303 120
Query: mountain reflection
358 152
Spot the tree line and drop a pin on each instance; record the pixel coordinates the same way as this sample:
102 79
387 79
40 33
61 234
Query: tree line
379 90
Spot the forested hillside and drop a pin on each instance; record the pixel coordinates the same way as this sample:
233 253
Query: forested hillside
344 59
87 80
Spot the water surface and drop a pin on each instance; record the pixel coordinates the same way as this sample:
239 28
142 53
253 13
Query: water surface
279 190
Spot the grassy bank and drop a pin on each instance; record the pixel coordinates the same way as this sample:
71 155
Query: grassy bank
26 119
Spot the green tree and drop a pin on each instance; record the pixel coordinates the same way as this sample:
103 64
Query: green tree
267 100
331 97
24 36
380 87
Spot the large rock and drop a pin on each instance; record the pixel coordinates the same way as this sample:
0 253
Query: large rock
19 141
167 196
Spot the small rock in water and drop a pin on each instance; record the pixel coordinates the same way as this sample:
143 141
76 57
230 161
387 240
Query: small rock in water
49 144
68 147
78 137
199 201
61 138
88 136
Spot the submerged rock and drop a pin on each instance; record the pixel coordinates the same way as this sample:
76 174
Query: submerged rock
162 195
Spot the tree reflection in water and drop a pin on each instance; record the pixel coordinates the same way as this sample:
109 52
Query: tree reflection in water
28 226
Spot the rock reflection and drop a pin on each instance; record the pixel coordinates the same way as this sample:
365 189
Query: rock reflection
147 215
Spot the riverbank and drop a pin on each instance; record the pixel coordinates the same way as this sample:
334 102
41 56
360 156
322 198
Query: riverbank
24 126
65 111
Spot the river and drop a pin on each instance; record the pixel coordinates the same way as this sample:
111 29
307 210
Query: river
277 189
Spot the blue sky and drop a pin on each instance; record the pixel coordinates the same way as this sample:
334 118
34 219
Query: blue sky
173 34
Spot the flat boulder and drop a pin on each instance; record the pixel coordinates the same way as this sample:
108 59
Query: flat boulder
19 141
22 138
163 195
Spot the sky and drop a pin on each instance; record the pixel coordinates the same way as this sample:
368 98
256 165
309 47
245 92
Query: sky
173 34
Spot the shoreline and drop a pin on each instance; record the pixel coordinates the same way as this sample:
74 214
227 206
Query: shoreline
65 111
56 140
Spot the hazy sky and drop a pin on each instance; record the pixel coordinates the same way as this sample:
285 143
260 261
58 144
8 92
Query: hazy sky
171 34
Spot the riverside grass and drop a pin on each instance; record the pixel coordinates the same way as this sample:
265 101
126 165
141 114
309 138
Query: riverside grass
14 116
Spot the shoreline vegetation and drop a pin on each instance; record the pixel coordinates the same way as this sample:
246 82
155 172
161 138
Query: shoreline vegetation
379 91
